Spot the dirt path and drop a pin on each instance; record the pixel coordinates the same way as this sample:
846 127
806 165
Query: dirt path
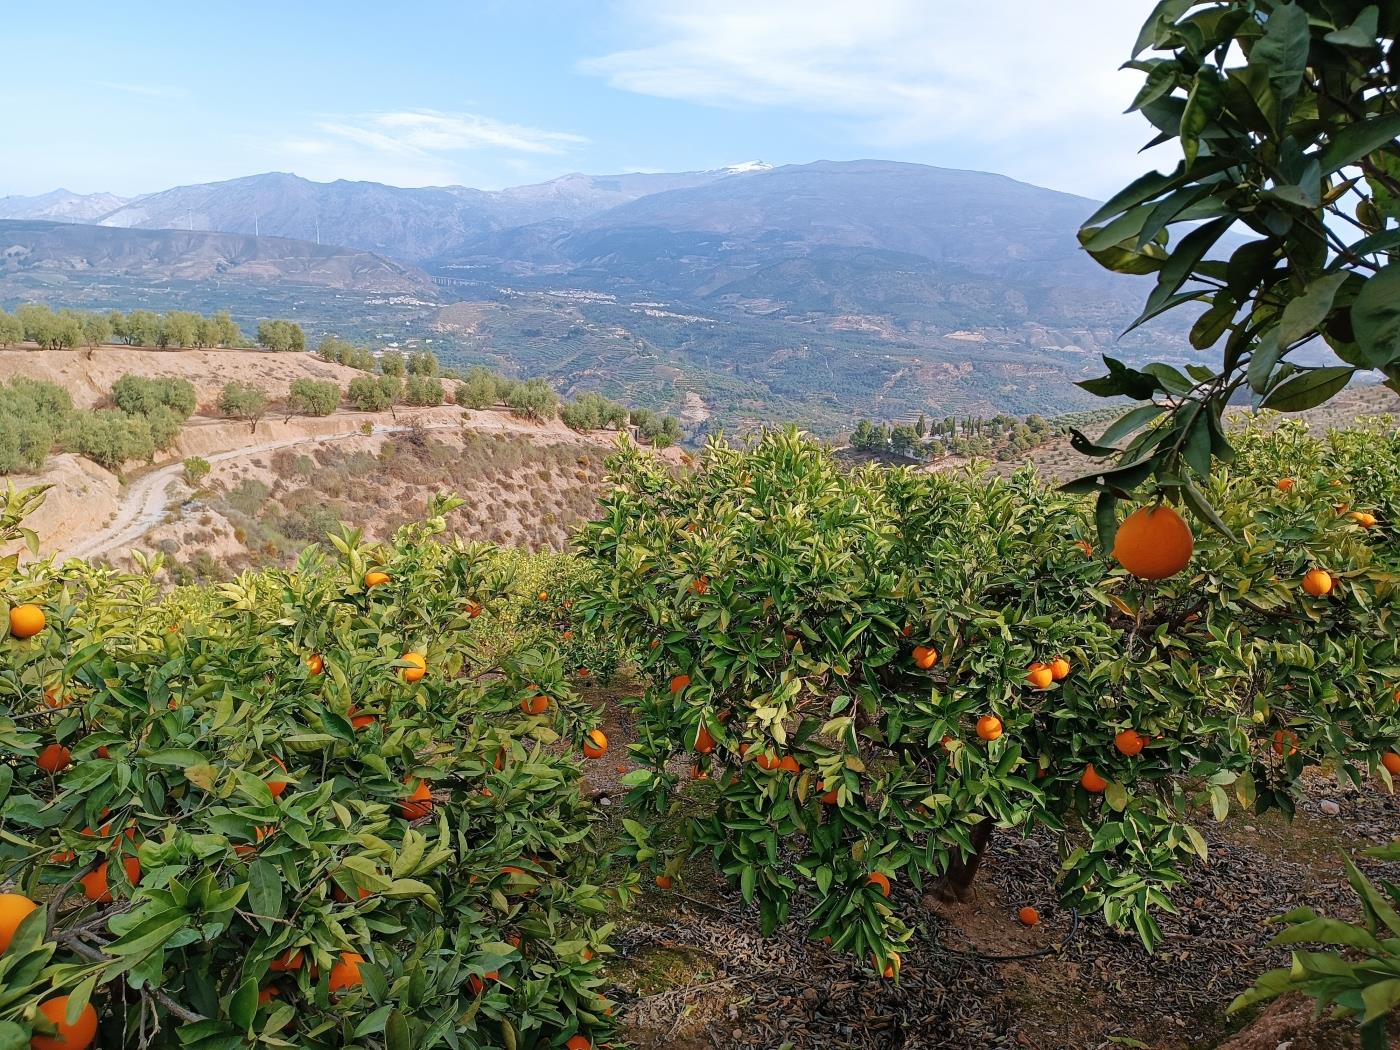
143 504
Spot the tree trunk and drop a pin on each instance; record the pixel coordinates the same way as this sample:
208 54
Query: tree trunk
956 885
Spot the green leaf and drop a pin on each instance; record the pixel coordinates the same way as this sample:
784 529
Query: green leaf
1212 324
1375 317
1303 315
1380 998
1361 33
243 1006
1179 266
265 892
1283 49
1116 796
1263 359
1130 422
1309 388
1358 140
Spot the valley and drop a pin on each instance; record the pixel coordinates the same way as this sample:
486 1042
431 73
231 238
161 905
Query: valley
732 298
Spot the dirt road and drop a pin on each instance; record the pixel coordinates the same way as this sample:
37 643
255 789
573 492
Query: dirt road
143 504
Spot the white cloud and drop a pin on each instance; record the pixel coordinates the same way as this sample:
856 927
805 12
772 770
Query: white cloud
415 147
422 132
1017 82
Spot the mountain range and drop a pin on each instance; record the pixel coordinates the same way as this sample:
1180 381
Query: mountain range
817 291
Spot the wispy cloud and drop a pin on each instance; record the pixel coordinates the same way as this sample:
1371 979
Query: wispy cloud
423 132
897 73
143 90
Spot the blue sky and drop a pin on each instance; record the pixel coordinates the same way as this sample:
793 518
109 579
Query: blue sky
140 96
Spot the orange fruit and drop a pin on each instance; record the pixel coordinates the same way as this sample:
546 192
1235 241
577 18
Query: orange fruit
1059 669
891 967
788 764
700 585
1086 547
543 596
1285 484
419 802
697 773
578 1042
679 682
315 663
54 698
247 849
1091 781
375 579
346 972
499 762
288 961
26 621
1028 916
989 727
76 1036
479 983
1318 583
1363 519
925 656
1285 742
1391 761
583 672
880 879
267 993
277 786
664 882
357 720
1129 742
94 883
1040 676
767 762
535 705
906 630
830 798
473 609
704 742
13 909
1153 543
54 759
418 666
595 745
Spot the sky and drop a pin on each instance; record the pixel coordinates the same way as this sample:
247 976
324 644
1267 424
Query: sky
139 96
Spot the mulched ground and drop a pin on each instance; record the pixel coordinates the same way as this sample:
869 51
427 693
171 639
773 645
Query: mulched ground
693 970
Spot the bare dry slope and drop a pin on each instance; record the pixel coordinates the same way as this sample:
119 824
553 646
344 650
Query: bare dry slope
89 376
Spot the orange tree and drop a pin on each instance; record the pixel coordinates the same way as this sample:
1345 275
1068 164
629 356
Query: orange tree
1287 196
298 810
877 669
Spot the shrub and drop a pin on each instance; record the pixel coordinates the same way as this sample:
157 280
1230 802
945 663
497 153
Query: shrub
391 363
11 329
137 395
422 363
422 391
592 411
311 397
281 336
532 399
243 401
374 393
272 796
481 389
110 438
196 470
32 415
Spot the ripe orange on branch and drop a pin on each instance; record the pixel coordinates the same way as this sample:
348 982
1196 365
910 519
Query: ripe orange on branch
879 880
925 656
1091 781
595 745
1318 583
1059 669
1153 543
76 1036
14 908
1129 742
55 758
989 728
376 579
26 621
1040 676
345 974
1391 761
418 666
419 802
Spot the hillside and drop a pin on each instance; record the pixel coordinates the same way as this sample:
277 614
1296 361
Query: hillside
60 206
410 224
810 293
36 254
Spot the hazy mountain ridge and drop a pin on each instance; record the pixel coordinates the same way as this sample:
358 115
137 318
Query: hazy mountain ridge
61 206
54 250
